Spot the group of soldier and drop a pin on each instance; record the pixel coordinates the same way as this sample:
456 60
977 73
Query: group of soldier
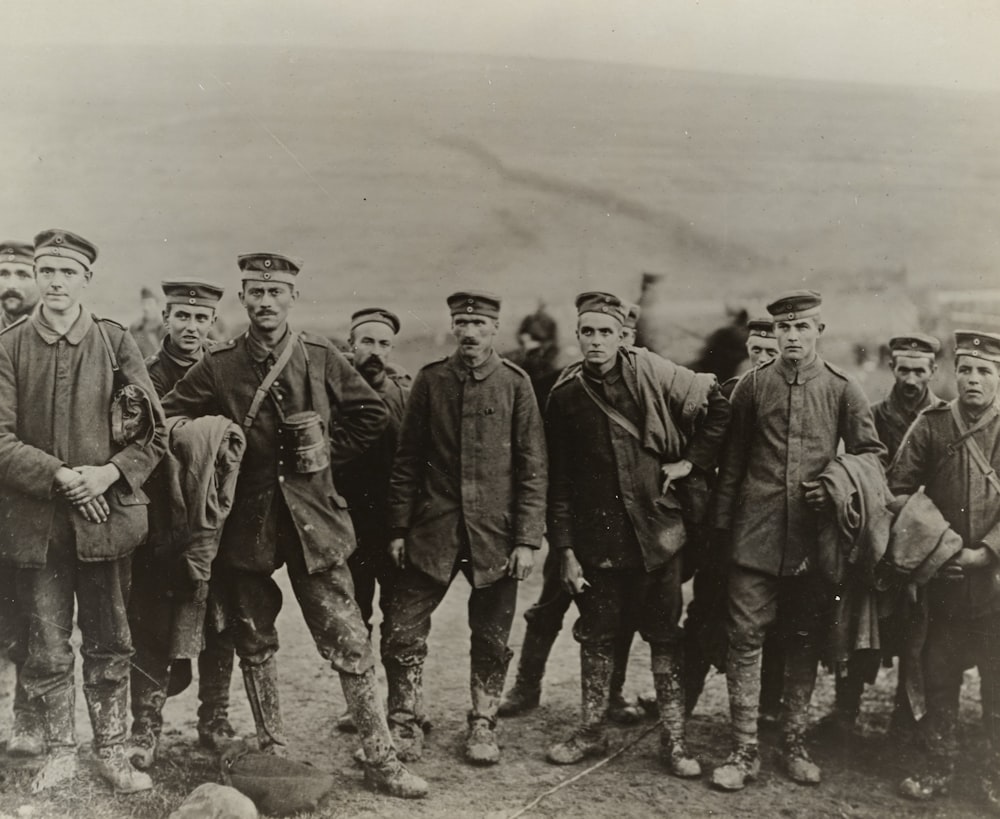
637 471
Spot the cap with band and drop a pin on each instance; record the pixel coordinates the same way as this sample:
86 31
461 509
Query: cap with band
795 304
761 327
914 344
269 267
56 242
597 302
474 303
17 253
978 345
378 314
193 293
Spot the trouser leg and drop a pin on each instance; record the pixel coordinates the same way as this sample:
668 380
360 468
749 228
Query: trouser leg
215 672
491 614
772 672
544 620
149 676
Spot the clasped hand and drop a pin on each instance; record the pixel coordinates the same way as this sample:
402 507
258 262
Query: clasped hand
84 487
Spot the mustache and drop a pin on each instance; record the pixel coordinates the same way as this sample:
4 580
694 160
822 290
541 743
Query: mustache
372 365
12 294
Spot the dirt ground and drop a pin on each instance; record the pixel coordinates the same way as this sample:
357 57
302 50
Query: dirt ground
858 781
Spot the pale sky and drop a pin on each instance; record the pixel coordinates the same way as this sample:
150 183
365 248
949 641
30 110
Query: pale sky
952 43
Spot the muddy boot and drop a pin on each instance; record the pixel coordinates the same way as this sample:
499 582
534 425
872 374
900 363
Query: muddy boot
670 698
772 680
800 679
27 736
107 707
526 692
589 739
148 700
383 770
620 709
215 672
481 746
740 767
261 682
59 715
405 695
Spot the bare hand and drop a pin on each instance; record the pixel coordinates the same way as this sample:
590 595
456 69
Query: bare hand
521 562
96 481
571 573
817 496
674 472
397 552
967 559
66 479
96 511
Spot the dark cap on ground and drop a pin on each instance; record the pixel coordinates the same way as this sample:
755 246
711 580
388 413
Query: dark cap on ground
269 267
474 303
977 344
763 327
194 293
794 304
915 344
17 252
379 314
594 301
56 242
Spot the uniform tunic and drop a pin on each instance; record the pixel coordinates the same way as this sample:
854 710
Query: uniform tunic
787 424
168 365
893 417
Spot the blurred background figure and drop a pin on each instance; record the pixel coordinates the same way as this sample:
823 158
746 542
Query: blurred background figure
537 352
725 348
148 330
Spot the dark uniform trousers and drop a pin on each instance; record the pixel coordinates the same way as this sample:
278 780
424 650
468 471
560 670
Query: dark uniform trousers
954 642
800 607
491 615
371 564
9 625
648 602
546 615
326 598
46 597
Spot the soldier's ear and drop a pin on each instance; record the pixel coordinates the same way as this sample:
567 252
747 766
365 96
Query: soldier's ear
820 326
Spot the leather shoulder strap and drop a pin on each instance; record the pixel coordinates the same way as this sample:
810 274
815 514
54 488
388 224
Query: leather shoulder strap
608 410
267 383
973 448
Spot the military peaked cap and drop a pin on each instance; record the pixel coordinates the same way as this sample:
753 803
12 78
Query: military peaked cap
977 344
763 327
17 252
915 344
56 242
194 293
378 314
474 302
597 302
795 304
269 267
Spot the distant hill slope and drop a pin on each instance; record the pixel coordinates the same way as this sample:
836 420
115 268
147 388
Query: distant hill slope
399 177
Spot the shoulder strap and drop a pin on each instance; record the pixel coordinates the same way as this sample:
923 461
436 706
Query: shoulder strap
608 410
107 344
975 452
269 379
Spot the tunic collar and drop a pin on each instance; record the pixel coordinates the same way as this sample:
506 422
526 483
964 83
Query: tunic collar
259 351
799 375
483 371
50 335
900 408
610 377
168 349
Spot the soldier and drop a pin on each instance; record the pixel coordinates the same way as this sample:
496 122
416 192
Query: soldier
75 509
914 362
624 429
365 480
954 452
788 418
468 494
18 297
704 624
545 620
188 315
286 509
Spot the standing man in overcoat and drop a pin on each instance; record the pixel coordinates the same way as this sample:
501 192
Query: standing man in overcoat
73 506
953 451
789 416
468 495
287 510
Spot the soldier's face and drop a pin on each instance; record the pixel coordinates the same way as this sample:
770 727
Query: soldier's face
761 349
912 374
600 336
628 336
188 325
797 337
267 303
474 335
977 382
18 288
372 343
61 282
